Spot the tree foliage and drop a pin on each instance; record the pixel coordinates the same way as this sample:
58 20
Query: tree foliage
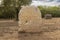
11 8
55 11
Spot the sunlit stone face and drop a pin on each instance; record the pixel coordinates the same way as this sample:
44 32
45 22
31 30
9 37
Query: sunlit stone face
29 17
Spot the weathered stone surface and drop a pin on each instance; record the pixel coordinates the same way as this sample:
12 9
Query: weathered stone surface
48 16
30 19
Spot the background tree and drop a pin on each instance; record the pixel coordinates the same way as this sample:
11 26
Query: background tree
14 6
55 11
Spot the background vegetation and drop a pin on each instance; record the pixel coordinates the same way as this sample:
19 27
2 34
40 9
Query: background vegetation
54 11
10 8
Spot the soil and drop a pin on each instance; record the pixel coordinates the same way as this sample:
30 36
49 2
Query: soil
50 30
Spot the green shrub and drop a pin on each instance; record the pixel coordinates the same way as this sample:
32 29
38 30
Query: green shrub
7 12
55 11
